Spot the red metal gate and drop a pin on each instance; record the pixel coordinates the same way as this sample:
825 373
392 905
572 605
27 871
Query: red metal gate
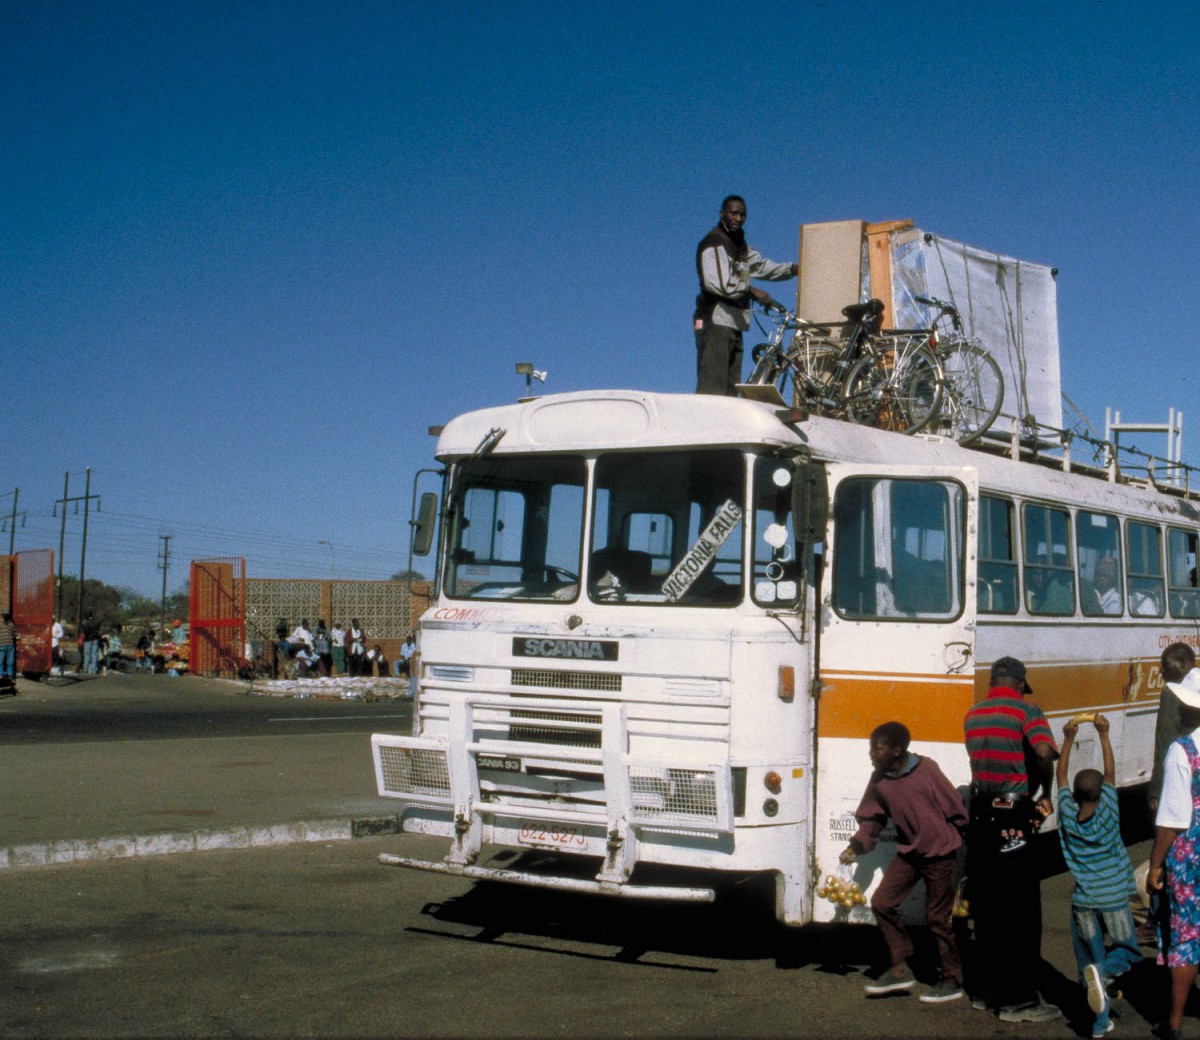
217 616
31 599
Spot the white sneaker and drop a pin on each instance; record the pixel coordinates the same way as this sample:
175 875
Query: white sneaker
1096 996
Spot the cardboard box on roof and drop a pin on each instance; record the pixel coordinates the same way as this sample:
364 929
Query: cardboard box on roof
1010 305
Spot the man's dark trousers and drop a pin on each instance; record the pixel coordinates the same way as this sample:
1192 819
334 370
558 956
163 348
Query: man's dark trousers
718 358
1005 893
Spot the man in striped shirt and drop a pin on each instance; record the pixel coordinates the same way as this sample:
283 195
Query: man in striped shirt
1089 827
1006 737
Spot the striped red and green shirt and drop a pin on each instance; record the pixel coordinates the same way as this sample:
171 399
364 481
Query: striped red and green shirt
997 730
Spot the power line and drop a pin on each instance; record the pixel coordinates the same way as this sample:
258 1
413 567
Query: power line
86 499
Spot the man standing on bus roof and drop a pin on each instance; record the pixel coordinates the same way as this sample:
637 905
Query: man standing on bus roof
725 265
1006 735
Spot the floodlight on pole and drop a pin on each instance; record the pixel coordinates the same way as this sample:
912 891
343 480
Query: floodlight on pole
526 369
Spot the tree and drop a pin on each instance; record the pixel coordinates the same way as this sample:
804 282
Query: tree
114 605
104 601
409 576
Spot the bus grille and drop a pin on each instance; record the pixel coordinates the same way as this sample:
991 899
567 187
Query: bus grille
566 680
553 735
661 792
414 771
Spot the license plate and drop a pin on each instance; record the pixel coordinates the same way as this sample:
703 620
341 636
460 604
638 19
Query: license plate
551 836
504 763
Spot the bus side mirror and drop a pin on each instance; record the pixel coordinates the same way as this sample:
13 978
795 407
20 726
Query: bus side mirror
423 525
810 502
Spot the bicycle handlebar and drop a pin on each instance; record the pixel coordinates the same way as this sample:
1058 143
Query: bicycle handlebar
941 305
943 308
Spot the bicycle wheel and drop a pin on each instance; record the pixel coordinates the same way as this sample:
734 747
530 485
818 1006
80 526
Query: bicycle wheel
812 367
896 386
973 391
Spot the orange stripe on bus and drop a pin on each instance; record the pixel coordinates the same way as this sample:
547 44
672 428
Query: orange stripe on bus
1061 688
931 708
853 703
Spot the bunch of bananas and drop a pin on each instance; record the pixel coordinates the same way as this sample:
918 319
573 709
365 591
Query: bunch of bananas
841 892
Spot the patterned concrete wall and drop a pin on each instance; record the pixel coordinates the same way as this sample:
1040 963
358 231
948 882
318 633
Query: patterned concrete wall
387 610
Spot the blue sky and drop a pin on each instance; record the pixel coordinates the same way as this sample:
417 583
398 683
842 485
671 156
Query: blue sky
253 250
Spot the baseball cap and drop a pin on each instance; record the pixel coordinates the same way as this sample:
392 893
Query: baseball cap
1188 688
1009 668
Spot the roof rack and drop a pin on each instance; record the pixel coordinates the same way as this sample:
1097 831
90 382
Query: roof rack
1026 440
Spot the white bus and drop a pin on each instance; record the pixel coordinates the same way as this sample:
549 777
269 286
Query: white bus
665 625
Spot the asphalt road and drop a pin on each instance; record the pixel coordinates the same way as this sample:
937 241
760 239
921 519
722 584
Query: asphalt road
121 756
161 707
321 940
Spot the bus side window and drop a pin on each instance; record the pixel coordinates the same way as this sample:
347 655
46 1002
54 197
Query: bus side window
1143 555
1097 540
996 588
899 548
1049 576
1184 597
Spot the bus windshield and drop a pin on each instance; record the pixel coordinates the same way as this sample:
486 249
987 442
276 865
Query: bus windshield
667 528
516 528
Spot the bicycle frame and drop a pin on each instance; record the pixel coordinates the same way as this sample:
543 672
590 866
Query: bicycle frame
864 375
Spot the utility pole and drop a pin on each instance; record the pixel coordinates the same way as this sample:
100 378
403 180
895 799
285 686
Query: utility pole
164 559
13 529
62 534
86 499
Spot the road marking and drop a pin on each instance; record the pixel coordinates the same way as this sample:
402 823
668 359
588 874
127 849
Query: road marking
334 717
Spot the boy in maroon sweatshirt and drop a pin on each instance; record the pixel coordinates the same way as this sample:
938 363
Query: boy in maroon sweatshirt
930 820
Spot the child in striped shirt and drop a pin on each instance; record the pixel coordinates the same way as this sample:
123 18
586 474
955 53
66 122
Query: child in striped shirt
1089 827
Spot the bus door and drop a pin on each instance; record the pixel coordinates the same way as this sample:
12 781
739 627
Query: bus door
896 639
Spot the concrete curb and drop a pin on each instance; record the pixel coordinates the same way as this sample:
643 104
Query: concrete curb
169 843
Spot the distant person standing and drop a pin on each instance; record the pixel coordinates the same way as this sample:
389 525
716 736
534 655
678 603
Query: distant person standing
112 651
356 645
91 644
56 636
725 264
323 647
338 649
144 652
283 649
8 647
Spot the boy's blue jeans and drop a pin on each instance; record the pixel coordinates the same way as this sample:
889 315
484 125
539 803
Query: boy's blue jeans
1089 930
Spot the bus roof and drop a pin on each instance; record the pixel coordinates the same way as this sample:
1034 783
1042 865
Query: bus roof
594 421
